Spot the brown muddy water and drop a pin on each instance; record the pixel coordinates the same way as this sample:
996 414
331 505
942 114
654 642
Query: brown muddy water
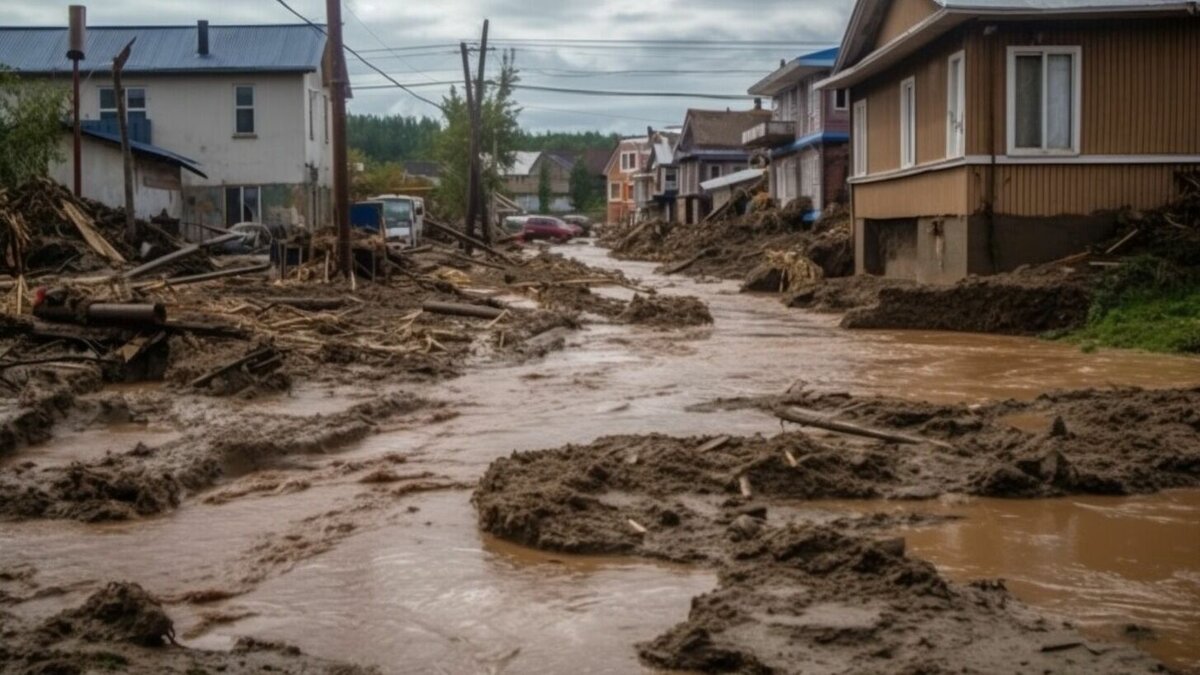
417 589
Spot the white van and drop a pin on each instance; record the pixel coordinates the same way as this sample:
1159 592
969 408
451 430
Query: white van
405 217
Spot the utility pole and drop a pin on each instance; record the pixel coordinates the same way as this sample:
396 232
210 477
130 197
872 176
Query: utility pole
77 15
131 232
341 171
485 224
473 151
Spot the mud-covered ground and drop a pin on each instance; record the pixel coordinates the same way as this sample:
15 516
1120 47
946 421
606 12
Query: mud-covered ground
796 594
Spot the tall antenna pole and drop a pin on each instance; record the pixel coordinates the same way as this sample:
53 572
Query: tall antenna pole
341 171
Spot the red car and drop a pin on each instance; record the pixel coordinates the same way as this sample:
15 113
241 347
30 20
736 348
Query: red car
546 227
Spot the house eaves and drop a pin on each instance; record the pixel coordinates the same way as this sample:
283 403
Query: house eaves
954 13
793 72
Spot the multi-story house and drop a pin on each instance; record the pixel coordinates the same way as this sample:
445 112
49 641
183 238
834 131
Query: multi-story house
710 146
249 104
807 138
656 188
522 181
989 134
628 159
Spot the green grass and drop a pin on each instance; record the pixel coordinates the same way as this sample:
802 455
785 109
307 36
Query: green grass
1148 304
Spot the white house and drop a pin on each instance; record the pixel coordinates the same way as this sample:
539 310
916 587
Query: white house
248 104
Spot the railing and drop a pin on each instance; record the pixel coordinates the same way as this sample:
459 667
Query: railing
766 134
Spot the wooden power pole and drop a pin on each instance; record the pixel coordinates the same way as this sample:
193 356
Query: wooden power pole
341 169
131 232
485 231
473 149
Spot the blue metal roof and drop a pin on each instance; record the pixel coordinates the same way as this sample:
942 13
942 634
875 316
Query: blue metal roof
811 139
149 150
824 58
168 49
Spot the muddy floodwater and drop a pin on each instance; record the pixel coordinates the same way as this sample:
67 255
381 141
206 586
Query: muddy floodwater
418 589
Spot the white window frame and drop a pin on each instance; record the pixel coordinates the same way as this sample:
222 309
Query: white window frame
908 123
858 132
241 192
628 161
844 96
1075 52
611 185
129 110
714 172
956 129
670 179
237 107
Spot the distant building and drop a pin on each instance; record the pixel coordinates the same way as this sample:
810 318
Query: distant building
523 179
657 186
988 135
806 140
427 170
709 147
249 104
627 160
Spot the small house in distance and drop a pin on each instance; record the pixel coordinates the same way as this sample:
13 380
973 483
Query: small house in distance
656 187
988 134
627 160
523 179
806 140
709 147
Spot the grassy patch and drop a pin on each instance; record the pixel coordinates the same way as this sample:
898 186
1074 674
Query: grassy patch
1147 304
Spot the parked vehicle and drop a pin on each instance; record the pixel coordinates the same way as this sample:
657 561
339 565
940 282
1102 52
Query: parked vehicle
405 217
255 237
514 224
583 222
547 227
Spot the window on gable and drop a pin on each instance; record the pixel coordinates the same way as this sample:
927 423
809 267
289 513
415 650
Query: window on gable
135 103
908 123
859 137
243 104
714 171
841 99
956 103
1043 100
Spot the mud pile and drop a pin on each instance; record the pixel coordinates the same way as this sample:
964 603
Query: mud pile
43 396
124 628
666 311
734 249
150 480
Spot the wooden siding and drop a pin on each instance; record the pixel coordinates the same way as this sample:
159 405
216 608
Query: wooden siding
929 70
936 193
902 15
1073 189
1140 83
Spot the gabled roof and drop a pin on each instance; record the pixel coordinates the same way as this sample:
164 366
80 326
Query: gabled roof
859 59
168 49
639 144
713 129
595 160
147 150
791 73
523 162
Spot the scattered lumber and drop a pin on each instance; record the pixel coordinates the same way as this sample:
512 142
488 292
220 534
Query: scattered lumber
467 239
681 266
87 230
713 444
1124 240
810 418
458 309
256 359
178 255
309 304
205 276
632 235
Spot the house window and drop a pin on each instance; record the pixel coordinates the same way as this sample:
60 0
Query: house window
1043 100
671 179
908 123
628 161
841 99
242 205
243 104
714 171
614 192
135 103
859 129
956 104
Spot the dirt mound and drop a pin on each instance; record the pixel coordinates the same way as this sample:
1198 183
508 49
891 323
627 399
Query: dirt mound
1026 302
121 612
800 599
666 311
150 480
44 396
842 294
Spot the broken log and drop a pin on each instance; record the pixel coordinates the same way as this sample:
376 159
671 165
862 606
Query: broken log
457 309
809 418
681 266
178 255
467 239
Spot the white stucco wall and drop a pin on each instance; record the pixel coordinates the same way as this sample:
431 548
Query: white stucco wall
104 178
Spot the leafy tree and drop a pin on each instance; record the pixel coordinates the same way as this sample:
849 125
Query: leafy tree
392 138
499 134
379 178
544 194
582 187
573 141
31 127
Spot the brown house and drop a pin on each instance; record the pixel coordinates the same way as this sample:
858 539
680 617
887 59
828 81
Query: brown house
709 147
628 159
987 134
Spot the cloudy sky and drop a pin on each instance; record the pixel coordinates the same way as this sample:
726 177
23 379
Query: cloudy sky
608 45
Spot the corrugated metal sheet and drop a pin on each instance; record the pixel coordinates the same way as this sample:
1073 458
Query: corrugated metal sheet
736 178
268 48
149 150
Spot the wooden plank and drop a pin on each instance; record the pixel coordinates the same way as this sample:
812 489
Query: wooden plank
88 230
713 444
810 418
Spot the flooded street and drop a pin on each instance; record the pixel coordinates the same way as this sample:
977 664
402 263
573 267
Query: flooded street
417 588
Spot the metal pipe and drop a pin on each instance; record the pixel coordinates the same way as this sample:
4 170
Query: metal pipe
154 314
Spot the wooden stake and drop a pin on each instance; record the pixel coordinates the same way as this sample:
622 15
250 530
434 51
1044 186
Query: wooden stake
636 526
744 486
791 459
713 444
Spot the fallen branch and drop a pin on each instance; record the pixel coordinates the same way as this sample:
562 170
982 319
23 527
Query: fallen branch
681 266
467 239
264 354
808 418
456 309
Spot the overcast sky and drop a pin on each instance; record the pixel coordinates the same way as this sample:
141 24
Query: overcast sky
413 41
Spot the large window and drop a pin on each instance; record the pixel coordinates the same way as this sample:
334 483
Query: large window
908 123
956 103
859 140
135 103
628 161
614 192
243 104
242 205
1043 100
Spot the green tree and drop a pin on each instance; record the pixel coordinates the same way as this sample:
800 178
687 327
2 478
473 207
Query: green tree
499 134
31 127
582 187
544 193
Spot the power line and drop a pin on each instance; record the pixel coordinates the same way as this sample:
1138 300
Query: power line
634 94
595 114
360 57
380 41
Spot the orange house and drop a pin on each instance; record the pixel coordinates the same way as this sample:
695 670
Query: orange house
629 158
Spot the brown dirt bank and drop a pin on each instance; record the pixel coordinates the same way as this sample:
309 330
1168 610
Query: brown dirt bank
123 628
149 480
43 396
